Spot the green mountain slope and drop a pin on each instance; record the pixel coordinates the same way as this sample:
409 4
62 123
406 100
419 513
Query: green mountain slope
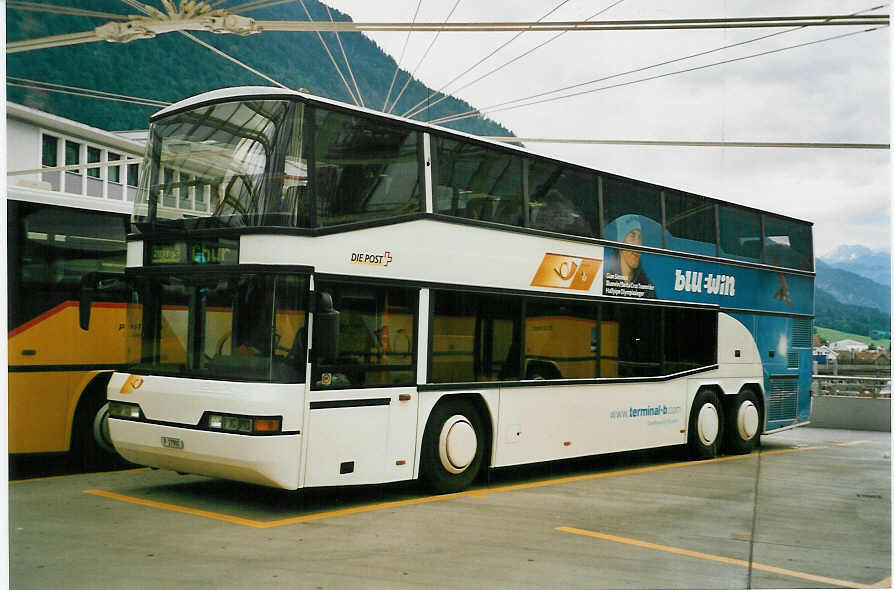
856 319
171 67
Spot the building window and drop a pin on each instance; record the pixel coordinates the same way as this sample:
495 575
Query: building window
133 175
94 155
72 155
49 156
114 171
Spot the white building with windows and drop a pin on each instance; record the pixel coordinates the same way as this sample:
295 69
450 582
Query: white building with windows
63 159
848 345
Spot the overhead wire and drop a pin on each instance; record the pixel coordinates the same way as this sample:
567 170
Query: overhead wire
331 57
489 110
749 144
397 65
345 56
653 66
77 91
231 58
511 61
66 10
422 59
479 62
256 5
581 26
348 26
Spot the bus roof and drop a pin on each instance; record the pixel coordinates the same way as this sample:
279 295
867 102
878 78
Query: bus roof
274 93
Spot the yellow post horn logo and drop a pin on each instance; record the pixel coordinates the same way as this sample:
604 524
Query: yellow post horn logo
133 382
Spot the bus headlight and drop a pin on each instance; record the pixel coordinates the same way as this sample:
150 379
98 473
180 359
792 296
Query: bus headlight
243 424
125 410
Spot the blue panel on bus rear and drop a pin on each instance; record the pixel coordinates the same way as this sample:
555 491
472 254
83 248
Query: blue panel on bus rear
787 368
697 281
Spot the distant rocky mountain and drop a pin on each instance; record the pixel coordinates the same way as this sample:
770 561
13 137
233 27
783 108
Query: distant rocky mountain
171 67
851 288
875 265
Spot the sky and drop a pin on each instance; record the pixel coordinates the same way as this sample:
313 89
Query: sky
835 91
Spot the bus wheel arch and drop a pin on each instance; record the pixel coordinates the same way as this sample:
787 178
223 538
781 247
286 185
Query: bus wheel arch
744 420
706 423
91 449
456 443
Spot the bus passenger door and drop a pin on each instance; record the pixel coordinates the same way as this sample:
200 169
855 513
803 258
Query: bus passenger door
362 400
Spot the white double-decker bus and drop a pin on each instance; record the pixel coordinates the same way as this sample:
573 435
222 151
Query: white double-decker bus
372 299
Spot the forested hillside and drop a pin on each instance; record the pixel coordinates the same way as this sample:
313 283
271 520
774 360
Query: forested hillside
171 67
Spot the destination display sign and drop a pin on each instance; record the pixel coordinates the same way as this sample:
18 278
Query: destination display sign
212 251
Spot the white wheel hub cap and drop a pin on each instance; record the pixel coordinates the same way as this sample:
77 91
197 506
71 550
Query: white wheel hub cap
747 420
708 424
457 444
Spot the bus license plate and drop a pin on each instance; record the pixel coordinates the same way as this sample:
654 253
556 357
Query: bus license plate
171 442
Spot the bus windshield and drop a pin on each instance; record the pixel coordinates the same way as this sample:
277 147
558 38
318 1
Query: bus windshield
220 326
230 164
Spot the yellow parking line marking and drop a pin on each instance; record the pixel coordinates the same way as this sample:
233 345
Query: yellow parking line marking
475 493
173 507
710 557
851 443
52 477
886 583
260 524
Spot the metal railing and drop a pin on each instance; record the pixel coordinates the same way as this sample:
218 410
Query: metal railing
851 386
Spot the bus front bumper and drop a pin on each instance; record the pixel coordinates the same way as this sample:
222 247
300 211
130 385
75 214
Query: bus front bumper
264 460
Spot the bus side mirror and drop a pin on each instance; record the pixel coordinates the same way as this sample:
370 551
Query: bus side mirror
90 283
325 339
88 291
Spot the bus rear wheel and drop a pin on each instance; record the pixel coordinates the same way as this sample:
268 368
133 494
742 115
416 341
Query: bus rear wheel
743 423
452 447
705 425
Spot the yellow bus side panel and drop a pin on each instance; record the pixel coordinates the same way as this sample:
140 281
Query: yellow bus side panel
57 339
42 400
39 405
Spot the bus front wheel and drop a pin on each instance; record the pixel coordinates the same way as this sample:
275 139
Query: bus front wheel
91 446
452 447
743 423
705 425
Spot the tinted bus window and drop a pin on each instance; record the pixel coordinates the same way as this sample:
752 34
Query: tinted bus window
364 169
474 338
690 224
561 199
476 182
51 248
740 234
561 340
690 339
632 212
787 243
634 338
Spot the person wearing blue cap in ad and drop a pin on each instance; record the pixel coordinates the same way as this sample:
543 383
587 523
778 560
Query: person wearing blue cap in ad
626 263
